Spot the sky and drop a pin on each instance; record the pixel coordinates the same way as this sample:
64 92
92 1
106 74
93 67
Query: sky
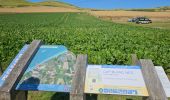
116 4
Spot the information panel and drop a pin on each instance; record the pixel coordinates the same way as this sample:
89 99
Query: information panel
51 69
115 79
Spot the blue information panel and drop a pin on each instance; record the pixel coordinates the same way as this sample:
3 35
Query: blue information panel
51 69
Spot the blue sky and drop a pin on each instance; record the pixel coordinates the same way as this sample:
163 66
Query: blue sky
116 4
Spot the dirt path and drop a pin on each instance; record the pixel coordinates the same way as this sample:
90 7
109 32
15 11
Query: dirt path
37 9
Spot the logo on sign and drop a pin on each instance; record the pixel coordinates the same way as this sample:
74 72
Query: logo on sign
117 91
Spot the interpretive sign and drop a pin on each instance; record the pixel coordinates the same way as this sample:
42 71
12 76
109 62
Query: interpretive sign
115 79
164 80
51 69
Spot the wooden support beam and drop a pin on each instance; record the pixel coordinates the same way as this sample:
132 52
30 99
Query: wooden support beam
153 83
7 90
134 59
1 70
77 91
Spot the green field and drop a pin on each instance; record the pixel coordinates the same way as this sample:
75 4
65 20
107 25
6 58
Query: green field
104 42
160 25
164 24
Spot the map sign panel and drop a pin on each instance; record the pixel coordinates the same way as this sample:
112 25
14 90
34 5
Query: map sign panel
51 69
115 79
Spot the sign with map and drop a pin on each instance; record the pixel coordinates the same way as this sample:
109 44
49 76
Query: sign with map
51 69
115 79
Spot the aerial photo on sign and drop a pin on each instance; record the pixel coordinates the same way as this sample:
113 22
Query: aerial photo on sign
115 79
51 69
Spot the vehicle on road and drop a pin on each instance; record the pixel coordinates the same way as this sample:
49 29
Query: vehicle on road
140 20
143 20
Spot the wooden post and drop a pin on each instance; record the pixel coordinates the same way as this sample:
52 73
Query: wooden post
7 91
1 70
153 83
77 92
134 59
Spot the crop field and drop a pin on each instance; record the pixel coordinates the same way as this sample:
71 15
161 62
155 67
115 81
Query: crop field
163 14
160 19
105 42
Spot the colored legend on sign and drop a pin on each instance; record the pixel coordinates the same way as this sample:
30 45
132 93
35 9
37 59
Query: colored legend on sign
115 79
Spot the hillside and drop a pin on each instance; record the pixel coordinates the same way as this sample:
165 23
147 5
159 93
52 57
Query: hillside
55 4
23 3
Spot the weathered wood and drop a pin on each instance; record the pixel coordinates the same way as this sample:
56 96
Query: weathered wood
20 95
1 70
134 59
7 91
153 84
5 96
77 91
14 95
